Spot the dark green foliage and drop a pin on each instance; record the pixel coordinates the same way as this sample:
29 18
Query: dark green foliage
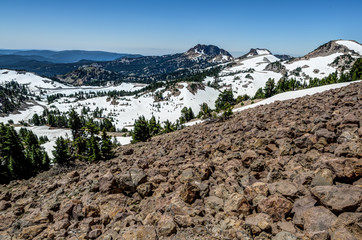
225 97
356 70
205 111
242 98
144 129
154 126
259 94
94 153
75 123
228 111
106 145
12 95
21 155
141 130
186 115
168 127
61 152
269 89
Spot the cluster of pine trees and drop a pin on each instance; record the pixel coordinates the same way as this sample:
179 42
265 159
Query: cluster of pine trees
284 84
12 95
21 155
145 129
55 118
86 144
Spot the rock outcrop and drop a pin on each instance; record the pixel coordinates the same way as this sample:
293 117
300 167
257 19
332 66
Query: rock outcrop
288 170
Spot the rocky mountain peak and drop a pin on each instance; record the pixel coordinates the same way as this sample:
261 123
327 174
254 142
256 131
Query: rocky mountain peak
210 52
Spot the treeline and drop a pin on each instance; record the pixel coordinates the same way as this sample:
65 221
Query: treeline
55 118
12 95
21 155
284 84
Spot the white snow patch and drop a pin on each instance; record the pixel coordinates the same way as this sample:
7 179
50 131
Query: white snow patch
351 45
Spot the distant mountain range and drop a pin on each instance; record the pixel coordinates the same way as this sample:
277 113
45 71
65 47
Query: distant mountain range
67 56
96 68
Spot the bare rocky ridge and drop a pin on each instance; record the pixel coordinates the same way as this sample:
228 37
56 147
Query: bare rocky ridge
208 52
288 170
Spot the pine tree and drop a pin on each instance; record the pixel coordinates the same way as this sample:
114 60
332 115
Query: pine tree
205 111
94 153
225 97
269 89
13 154
154 126
228 111
106 145
168 127
61 153
141 130
259 94
75 123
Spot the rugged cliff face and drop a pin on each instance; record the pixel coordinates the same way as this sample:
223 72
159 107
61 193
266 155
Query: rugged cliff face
288 170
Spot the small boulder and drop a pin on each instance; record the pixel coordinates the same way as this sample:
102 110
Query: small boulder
284 187
342 234
260 220
285 236
275 206
94 233
189 193
326 134
237 204
339 198
300 206
108 184
258 188
323 177
318 219
166 226
140 233
214 203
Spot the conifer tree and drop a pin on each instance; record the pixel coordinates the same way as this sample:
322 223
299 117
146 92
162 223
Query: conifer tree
141 130
225 97
74 123
106 145
94 153
269 89
61 153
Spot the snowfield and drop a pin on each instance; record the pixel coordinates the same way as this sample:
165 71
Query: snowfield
127 109
315 67
351 45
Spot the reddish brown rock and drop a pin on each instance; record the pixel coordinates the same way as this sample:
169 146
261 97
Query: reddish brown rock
275 206
317 219
339 198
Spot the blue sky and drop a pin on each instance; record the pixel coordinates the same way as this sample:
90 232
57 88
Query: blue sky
160 27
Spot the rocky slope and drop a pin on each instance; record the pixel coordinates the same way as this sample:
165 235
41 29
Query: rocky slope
288 170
